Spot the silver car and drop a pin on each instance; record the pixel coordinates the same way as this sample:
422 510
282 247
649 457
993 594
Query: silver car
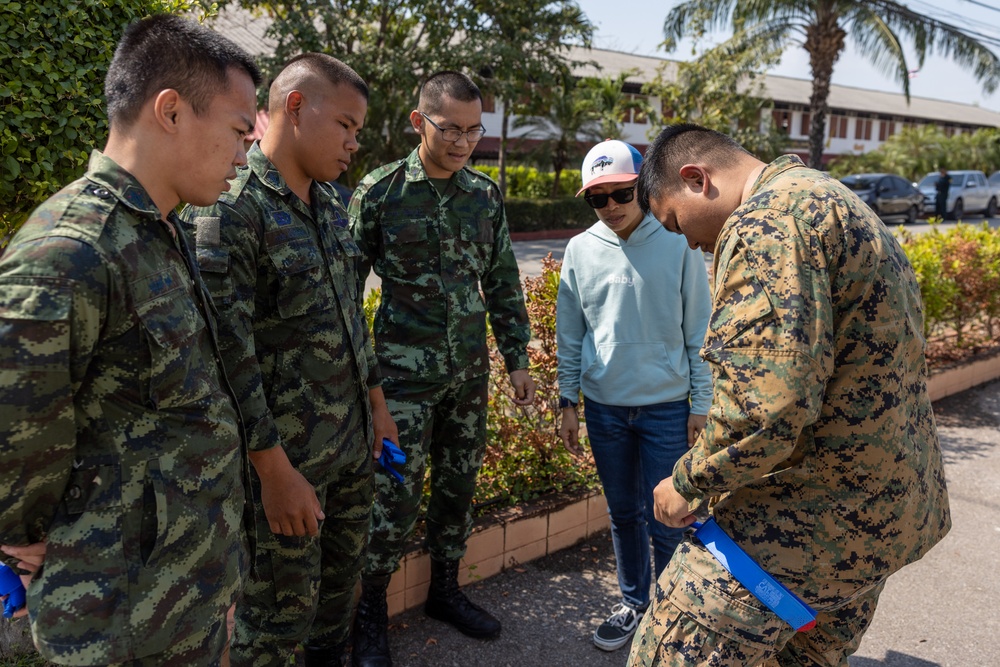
969 191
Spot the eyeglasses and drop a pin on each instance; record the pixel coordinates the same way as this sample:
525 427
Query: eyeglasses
622 196
452 134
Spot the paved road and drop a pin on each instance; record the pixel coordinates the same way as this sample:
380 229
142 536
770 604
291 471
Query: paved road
939 612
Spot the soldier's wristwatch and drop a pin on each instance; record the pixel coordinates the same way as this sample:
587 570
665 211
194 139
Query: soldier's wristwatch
566 403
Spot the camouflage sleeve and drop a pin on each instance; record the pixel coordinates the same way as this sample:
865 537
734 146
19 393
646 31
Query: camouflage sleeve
364 226
49 324
228 248
364 229
504 299
697 307
769 339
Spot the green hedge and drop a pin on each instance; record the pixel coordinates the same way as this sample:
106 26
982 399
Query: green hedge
53 58
532 215
531 183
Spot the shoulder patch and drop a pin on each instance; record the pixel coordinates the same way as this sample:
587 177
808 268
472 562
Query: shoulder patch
206 231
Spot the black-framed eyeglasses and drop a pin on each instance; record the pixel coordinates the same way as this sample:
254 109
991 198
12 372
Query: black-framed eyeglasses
453 134
623 196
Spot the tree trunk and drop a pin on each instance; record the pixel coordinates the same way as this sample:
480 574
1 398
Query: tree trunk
502 153
824 43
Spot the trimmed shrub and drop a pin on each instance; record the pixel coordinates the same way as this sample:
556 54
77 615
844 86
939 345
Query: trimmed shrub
531 215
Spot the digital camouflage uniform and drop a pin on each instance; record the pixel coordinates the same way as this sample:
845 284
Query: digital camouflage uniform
119 436
820 456
284 277
433 253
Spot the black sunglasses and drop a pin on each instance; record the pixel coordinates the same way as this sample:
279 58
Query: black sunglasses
623 196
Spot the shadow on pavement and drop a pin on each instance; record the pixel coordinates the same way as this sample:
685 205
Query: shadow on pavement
893 659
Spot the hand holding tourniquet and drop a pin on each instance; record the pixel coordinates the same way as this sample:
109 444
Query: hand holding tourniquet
10 585
392 455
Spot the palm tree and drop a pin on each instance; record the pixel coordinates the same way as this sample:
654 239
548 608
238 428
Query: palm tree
822 27
570 118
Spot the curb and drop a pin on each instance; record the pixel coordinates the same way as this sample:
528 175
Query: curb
520 534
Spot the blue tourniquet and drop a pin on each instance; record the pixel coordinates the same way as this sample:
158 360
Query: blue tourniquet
391 455
788 606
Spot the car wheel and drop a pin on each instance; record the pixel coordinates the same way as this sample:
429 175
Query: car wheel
991 208
911 215
958 211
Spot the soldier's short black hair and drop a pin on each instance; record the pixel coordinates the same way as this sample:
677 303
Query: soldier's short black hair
305 66
676 146
333 70
169 52
454 84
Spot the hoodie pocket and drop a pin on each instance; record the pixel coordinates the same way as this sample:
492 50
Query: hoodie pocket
625 368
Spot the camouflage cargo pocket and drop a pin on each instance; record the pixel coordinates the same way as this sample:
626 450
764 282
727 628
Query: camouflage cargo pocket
302 284
702 616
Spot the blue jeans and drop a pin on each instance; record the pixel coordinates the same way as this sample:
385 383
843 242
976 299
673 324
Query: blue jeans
635 449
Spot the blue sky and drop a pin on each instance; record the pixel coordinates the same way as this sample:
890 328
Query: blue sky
636 26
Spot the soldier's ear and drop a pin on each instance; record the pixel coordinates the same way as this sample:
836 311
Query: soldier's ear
417 121
294 101
695 178
166 107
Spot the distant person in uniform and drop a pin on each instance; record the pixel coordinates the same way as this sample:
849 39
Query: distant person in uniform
941 186
120 439
820 457
282 267
435 232
631 316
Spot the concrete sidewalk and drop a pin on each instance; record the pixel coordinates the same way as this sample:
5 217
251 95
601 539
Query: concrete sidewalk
941 611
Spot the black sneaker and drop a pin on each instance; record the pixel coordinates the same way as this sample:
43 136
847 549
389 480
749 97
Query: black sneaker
618 629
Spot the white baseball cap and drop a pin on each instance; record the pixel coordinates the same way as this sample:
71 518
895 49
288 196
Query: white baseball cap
610 161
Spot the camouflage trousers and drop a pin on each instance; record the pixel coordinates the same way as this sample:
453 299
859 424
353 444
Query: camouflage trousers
202 646
443 425
702 616
305 588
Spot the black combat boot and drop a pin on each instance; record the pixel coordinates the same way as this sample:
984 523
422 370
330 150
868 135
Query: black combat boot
447 603
370 641
325 656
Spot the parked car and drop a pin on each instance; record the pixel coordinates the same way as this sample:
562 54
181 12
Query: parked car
969 191
888 195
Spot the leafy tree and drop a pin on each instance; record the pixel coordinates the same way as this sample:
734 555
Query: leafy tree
53 59
571 117
520 48
822 28
392 44
916 152
608 97
722 89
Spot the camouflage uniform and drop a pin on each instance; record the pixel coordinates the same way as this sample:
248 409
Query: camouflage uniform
820 456
119 435
284 276
433 252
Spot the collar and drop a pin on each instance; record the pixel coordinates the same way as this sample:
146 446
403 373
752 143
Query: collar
265 171
780 165
415 172
109 176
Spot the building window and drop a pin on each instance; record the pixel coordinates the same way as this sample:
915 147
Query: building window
838 127
886 128
805 124
782 120
863 129
638 115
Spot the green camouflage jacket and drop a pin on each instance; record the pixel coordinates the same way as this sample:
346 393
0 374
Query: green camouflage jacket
821 441
433 253
119 437
284 277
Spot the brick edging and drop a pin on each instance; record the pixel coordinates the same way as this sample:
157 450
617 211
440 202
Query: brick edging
521 534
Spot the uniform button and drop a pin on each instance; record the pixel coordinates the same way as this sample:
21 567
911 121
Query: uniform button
102 193
75 492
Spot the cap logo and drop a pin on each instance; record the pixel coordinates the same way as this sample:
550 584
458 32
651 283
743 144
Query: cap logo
601 163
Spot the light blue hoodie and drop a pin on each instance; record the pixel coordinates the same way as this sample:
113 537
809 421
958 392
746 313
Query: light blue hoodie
631 318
